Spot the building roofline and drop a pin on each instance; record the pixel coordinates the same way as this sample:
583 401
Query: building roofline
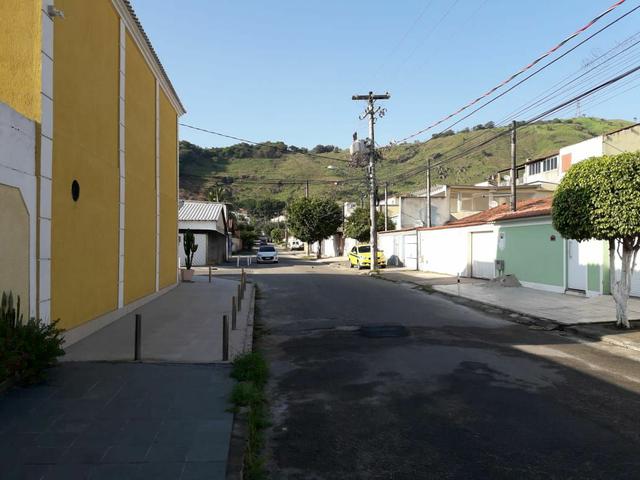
128 15
621 129
408 229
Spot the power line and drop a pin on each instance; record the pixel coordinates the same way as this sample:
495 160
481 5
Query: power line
403 38
536 118
518 73
544 67
542 99
430 32
244 140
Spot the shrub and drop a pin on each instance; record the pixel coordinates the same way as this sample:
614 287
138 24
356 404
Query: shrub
28 348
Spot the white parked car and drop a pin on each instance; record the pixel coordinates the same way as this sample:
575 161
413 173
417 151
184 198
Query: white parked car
296 245
267 254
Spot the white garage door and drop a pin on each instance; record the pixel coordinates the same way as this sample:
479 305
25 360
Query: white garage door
410 252
483 254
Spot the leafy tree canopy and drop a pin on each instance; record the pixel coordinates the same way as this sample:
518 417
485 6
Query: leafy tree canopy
357 225
600 198
277 234
314 219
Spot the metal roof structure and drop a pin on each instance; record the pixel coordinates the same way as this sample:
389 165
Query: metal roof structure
195 211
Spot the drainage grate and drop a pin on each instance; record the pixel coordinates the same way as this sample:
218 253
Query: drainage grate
381 331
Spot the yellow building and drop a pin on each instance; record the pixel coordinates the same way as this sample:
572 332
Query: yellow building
88 162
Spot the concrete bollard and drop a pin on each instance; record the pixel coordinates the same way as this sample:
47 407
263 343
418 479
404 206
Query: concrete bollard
137 347
234 312
225 338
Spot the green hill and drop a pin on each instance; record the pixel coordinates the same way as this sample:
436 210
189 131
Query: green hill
250 171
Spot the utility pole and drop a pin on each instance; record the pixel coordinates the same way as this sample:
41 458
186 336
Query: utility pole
429 192
386 207
514 172
371 112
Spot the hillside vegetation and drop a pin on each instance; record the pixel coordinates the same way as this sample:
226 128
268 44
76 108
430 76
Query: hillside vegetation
253 171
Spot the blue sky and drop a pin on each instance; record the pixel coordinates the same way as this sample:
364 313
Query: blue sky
286 69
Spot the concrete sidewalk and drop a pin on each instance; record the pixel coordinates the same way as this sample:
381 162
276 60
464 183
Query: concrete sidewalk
402 274
592 318
556 307
183 325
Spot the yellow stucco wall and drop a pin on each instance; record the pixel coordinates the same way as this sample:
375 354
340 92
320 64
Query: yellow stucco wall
20 45
140 171
84 270
168 193
14 239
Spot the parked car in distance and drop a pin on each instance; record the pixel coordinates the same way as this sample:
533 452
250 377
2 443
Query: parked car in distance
360 256
296 245
267 254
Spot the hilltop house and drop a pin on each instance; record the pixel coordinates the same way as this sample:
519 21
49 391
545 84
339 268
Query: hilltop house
88 162
550 169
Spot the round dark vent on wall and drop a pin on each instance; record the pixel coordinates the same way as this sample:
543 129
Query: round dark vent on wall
75 190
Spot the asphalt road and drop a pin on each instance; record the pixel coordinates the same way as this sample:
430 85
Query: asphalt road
463 394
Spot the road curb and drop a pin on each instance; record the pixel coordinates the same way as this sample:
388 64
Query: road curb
586 332
240 426
237 446
525 318
247 345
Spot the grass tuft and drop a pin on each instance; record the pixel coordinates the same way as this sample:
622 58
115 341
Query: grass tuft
251 367
252 373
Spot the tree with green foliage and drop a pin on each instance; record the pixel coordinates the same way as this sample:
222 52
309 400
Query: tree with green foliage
599 198
314 219
268 208
277 235
248 235
358 224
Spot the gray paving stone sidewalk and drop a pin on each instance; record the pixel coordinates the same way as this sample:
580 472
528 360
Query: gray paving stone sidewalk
118 421
183 325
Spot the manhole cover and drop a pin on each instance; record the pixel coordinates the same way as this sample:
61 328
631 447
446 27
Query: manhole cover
381 331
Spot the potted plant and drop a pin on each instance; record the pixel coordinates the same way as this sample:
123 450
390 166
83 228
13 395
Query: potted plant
190 248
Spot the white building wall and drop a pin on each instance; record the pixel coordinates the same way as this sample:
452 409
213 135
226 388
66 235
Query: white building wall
448 250
581 151
330 246
399 250
18 169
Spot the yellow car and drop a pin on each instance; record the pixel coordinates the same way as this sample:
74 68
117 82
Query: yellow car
360 256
